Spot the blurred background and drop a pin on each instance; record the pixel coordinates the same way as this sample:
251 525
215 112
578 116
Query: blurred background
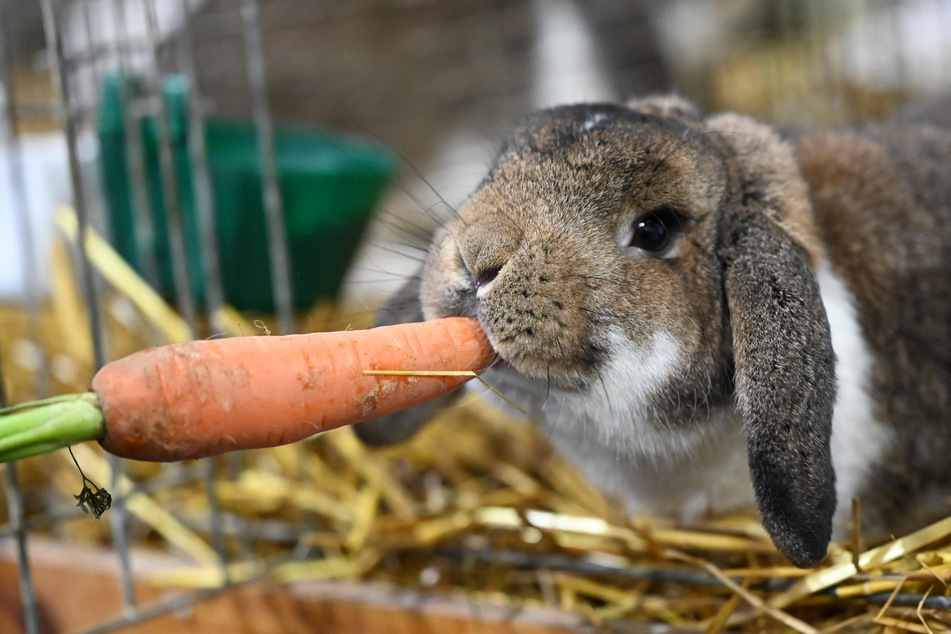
278 165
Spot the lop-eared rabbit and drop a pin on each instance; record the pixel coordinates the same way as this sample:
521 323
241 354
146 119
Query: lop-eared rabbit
704 313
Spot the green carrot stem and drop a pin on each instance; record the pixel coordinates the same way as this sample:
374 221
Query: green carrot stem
43 426
61 398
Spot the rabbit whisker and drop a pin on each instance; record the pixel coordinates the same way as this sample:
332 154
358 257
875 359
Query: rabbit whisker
415 171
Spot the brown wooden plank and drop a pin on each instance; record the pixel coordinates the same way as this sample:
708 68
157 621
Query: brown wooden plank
78 588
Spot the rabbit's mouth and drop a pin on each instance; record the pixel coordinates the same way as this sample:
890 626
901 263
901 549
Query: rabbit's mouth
555 372
537 347
646 366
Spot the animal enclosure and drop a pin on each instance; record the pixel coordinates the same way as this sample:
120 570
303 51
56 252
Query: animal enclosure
275 166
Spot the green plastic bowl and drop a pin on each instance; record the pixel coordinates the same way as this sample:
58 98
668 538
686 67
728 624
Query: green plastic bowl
330 184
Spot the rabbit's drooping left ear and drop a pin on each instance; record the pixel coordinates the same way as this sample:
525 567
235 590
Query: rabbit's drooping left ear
785 366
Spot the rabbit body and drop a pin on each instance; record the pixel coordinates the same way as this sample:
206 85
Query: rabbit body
704 314
882 203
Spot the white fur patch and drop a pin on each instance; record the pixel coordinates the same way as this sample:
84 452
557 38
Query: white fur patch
618 403
611 432
858 439
615 409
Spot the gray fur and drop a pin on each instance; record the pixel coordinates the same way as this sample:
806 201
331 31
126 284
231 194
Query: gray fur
882 203
785 384
538 254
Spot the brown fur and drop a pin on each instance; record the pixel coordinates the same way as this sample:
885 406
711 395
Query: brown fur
554 230
538 254
882 201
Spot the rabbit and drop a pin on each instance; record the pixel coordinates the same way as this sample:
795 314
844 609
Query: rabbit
704 312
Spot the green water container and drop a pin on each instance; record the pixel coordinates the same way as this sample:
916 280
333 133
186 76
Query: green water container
330 184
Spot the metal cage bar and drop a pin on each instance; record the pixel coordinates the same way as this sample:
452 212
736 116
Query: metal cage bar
128 51
273 209
52 20
14 493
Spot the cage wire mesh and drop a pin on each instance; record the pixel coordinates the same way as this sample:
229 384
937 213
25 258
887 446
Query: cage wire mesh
85 42
790 61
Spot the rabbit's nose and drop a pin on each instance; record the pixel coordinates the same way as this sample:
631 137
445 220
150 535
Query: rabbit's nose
482 273
484 260
485 275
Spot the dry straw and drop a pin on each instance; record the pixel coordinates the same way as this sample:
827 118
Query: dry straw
481 507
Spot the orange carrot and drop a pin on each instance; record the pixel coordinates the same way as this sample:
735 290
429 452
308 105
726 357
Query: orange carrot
203 398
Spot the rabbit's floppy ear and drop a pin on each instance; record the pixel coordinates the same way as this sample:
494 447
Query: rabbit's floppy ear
784 362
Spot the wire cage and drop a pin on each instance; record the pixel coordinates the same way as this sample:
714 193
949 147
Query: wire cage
147 125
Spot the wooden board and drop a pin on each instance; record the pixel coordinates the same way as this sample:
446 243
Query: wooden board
78 588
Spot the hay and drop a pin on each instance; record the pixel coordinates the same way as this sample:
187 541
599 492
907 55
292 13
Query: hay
478 505
481 507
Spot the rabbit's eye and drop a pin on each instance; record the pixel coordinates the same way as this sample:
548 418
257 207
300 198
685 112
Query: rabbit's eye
654 232
650 234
